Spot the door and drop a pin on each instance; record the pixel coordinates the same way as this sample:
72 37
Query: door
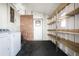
26 26
38 29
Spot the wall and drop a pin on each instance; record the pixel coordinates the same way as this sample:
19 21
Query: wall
14 27
5 18
26 26
45 36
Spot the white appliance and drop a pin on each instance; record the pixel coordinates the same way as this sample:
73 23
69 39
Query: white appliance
4 44
10 43
15 43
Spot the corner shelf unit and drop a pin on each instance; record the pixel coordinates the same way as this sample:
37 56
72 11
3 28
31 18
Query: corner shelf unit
74 12
52 22
66 42
54 32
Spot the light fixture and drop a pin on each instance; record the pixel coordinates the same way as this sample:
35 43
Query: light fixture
38 22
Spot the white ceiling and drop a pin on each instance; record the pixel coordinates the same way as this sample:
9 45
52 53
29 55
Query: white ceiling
45 8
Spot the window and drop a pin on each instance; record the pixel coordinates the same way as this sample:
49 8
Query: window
11 15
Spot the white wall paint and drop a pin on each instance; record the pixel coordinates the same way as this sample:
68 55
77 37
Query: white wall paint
3 16
16 25
45 36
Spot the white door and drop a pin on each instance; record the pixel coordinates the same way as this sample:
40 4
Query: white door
38 29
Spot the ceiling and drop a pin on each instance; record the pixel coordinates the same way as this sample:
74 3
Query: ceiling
45 8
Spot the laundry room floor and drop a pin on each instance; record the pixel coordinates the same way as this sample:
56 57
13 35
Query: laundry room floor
40 48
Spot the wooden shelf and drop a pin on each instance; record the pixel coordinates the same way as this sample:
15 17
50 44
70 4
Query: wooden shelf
51 29
58 9
70 44
66 42
52 35
51 22
66 31
74 12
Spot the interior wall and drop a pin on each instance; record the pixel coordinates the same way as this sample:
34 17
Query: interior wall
26 26
5 18
45 36
15 27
